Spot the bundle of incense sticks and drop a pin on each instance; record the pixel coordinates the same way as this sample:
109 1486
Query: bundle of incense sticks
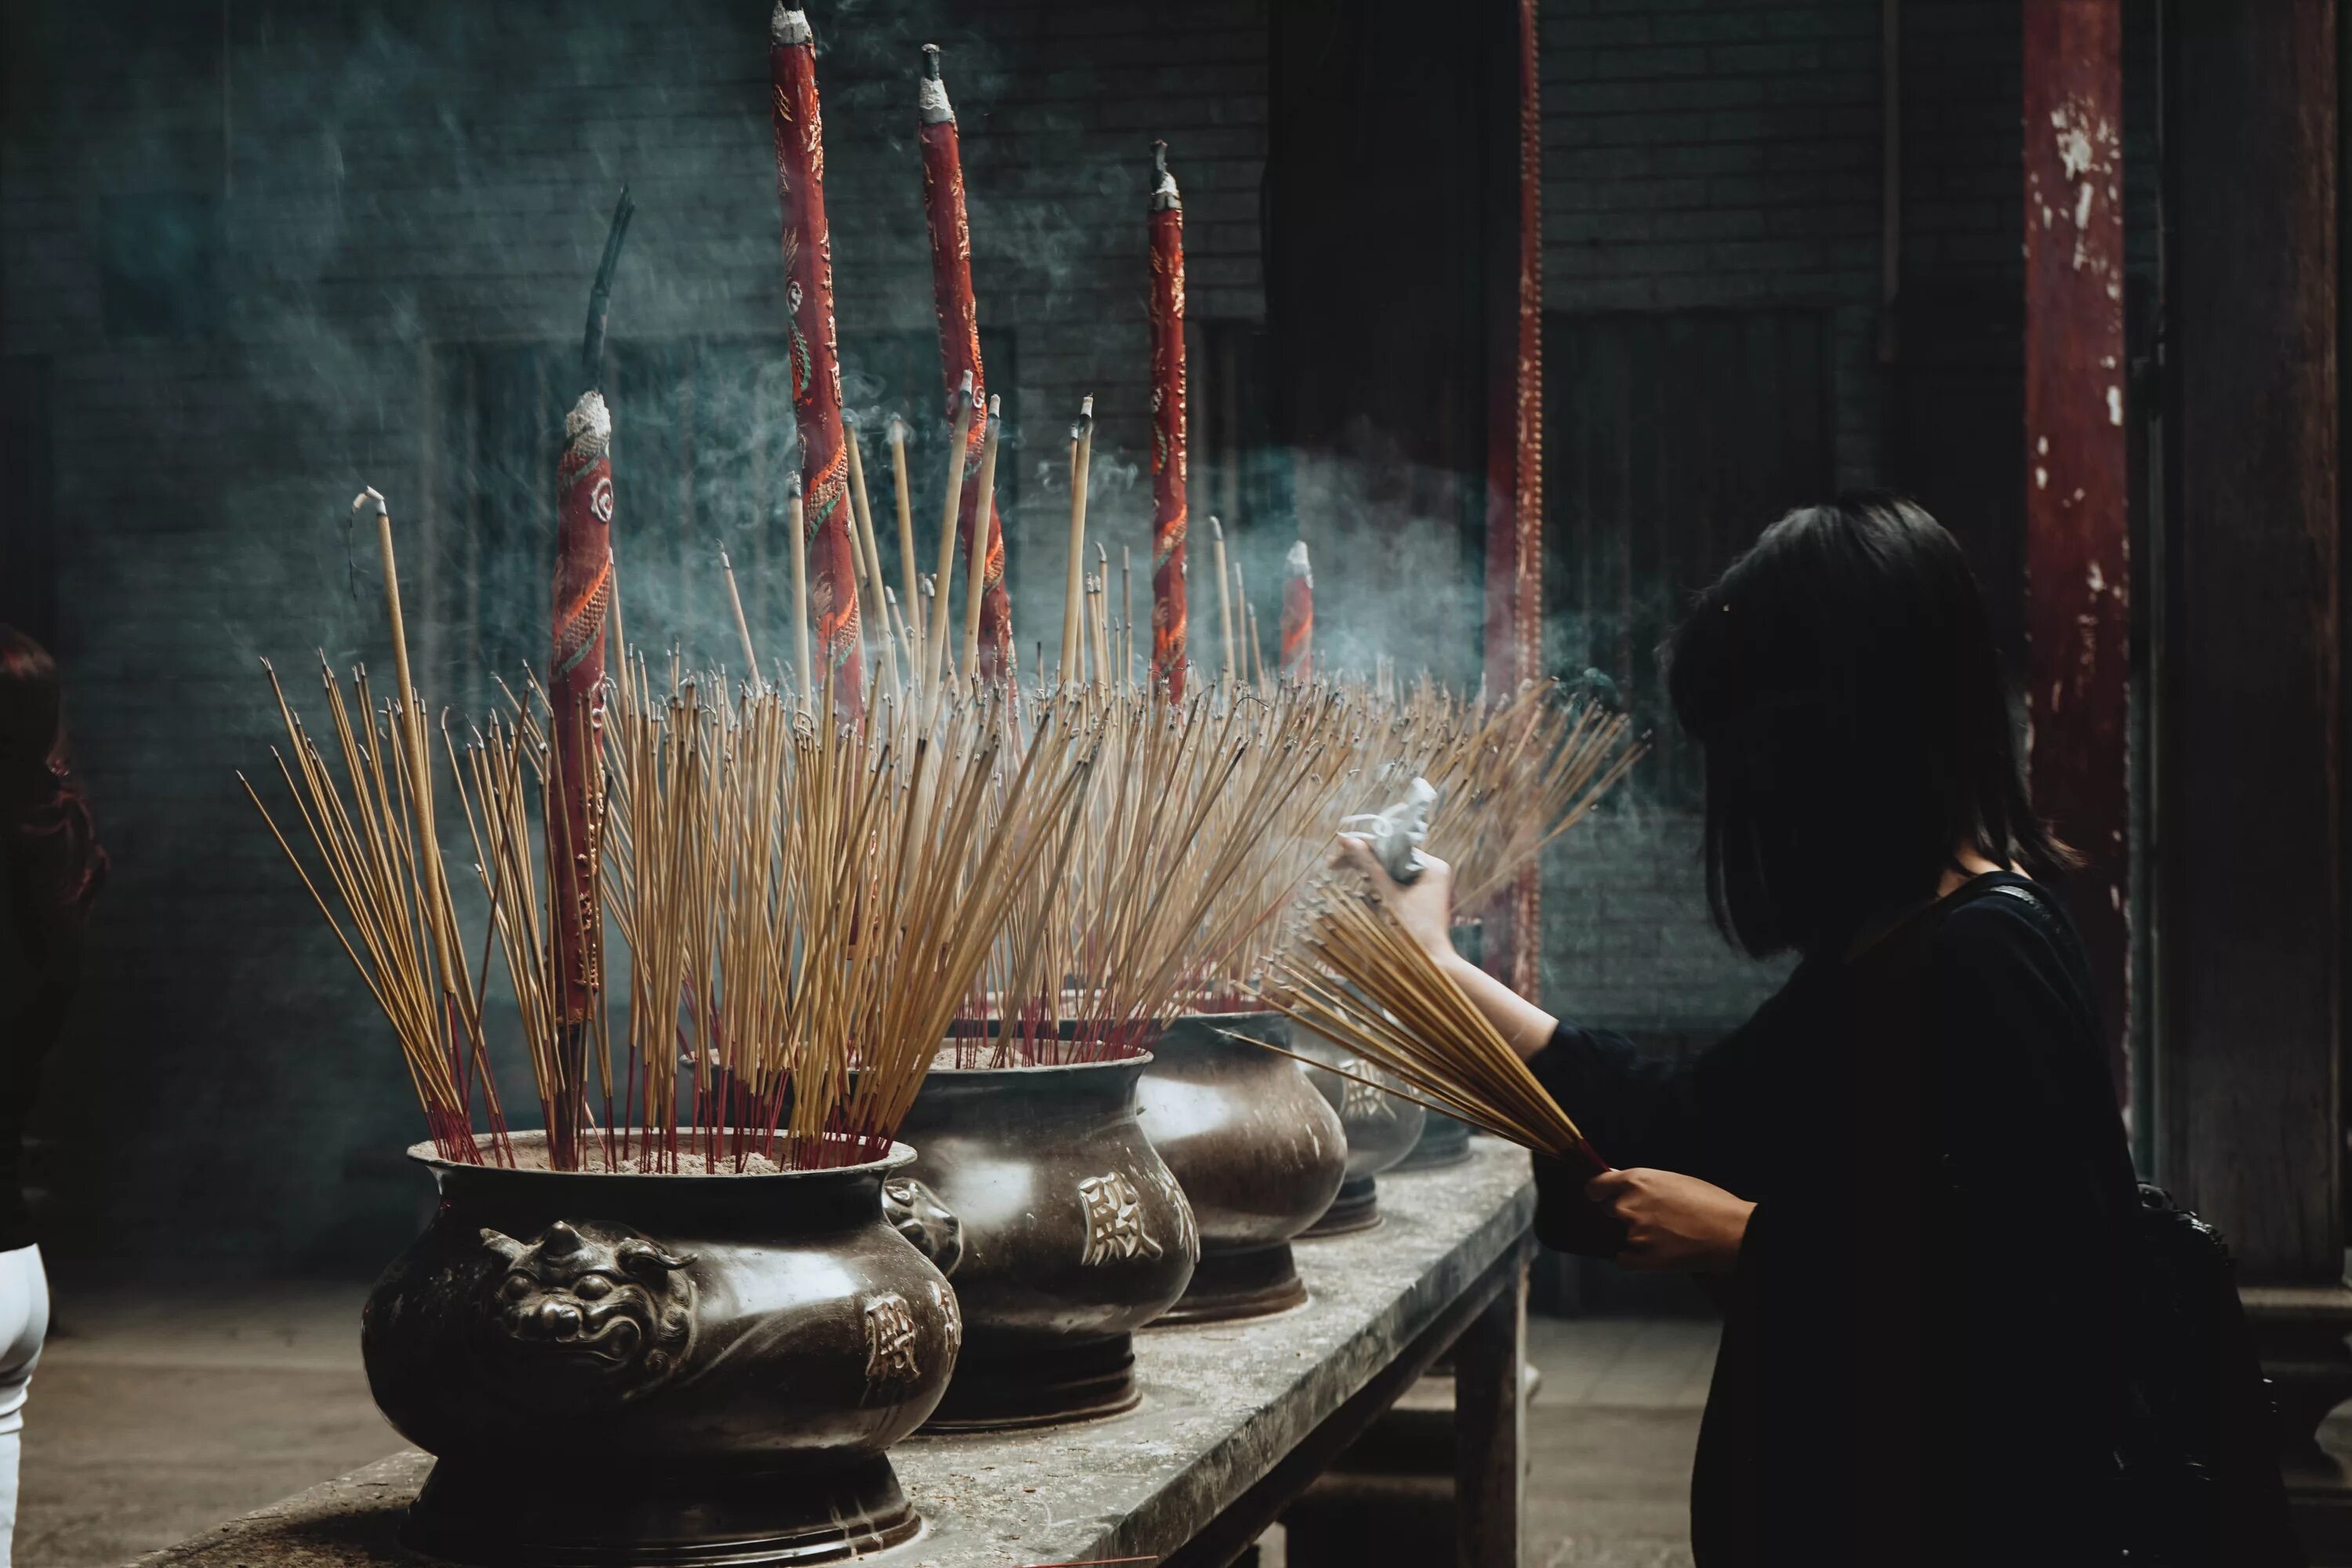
394 889
1353 974
805 902
1201 816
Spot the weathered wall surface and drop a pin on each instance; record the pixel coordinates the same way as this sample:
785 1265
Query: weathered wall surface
247 261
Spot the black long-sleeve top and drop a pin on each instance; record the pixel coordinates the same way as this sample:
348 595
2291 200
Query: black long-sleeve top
1919 1358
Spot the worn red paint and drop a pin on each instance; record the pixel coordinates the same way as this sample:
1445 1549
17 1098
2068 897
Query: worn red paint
2077 558
1514 651
815 358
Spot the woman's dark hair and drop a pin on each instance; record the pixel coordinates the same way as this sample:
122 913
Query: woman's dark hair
1843 680
46 838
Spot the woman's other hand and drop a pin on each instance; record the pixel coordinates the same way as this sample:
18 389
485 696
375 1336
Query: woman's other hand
1673 1221
1426 909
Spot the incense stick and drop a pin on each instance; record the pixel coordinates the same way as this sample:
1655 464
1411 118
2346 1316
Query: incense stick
1125 613
863 548
906 543
937 635
742 626
1224 604
976 566
1081 450
800 652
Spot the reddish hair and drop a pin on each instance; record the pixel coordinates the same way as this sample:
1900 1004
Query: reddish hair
50 842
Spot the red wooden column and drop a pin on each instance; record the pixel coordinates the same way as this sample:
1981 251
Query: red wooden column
1514 651
2077 554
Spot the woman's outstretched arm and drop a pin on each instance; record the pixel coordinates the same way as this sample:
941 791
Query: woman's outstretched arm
1638 1111
1426 909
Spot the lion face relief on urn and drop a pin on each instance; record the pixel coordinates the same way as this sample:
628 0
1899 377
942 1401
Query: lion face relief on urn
588 1316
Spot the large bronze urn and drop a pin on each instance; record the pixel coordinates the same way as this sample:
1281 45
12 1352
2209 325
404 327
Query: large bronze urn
1381 1128
621 1368
1075 1236
1256 1148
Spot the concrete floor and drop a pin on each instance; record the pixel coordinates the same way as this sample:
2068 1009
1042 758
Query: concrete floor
153 1417
1611 1434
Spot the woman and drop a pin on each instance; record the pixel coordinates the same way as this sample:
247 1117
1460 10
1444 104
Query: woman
54 868
1908 1169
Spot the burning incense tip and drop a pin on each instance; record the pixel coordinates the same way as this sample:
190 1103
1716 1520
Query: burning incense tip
589 426
897 431
932 93
792 488
994 403
1296 560
1163 183
1086 406
360 501
1216 530
788 26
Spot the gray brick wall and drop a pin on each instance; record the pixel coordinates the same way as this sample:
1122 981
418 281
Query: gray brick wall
1627 942
1700 157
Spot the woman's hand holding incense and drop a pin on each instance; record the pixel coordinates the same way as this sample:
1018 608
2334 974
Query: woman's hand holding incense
1425 911
1424 908
1673 1221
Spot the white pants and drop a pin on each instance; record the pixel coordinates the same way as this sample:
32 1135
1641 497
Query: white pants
23 1323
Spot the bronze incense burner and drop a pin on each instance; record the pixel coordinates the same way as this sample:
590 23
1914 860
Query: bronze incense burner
1381 1128
1075 1236
1444 1142
620 1368
1258 1150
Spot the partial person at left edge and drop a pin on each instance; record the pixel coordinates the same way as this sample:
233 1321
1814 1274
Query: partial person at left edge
54 868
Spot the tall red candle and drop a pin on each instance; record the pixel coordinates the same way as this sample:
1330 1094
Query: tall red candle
1168 472
575 686
815 356
960 350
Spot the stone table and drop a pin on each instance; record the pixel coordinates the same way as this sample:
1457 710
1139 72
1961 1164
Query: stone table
1236 1419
